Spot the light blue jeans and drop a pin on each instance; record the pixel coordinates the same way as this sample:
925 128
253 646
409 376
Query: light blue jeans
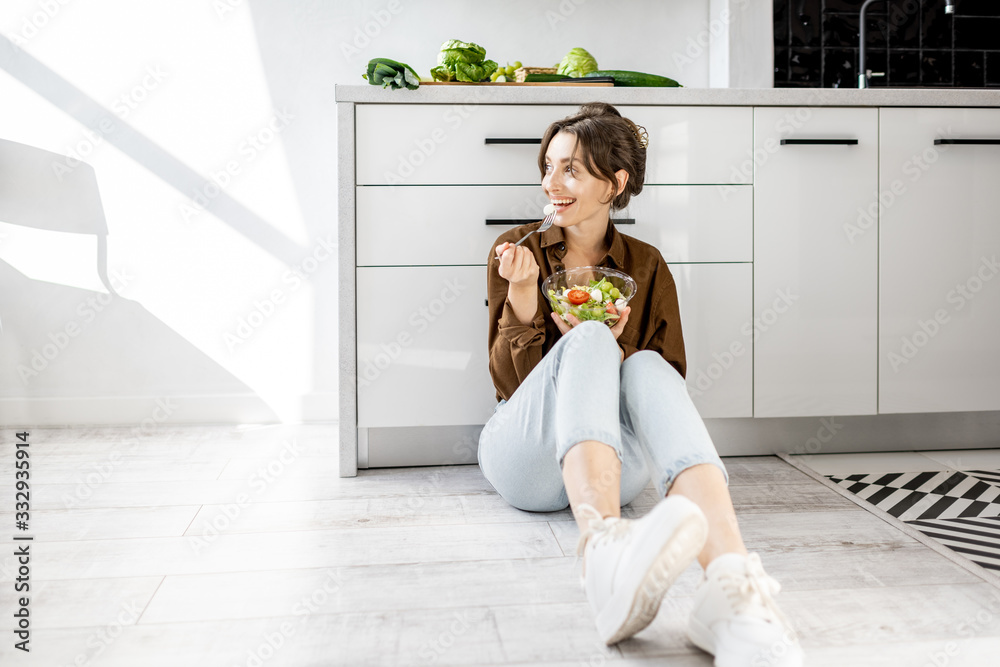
571 396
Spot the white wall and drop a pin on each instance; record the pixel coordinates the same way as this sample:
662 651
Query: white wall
161 99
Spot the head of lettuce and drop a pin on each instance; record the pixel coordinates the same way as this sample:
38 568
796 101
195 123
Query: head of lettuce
462 61
578 62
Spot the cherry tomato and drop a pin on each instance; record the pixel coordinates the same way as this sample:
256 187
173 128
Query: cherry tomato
577 296
611 309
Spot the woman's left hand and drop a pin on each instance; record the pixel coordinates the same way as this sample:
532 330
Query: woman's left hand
616 329
620 324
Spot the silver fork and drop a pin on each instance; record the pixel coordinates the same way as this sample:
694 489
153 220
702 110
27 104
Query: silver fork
546 223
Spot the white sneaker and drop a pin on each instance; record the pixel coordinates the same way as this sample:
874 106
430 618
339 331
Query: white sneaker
630 564
736 619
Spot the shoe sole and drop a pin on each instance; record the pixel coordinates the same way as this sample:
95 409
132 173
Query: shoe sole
701 636
622 616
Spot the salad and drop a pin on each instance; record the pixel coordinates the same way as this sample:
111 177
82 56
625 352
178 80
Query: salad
599 300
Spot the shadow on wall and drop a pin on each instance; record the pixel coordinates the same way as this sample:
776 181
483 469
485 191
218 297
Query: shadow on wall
57 340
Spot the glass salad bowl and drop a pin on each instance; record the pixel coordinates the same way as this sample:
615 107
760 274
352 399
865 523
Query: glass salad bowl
589 293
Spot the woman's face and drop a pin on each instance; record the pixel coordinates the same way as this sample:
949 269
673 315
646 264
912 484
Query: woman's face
576 193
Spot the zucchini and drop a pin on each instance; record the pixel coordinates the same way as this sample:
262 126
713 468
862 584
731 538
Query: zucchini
627 78
540 77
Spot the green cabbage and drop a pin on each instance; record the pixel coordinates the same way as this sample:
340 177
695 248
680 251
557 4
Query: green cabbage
577 63
462 61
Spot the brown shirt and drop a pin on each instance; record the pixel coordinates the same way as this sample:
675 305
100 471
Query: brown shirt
654 322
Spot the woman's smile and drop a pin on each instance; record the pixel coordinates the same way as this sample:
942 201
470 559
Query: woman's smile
562 203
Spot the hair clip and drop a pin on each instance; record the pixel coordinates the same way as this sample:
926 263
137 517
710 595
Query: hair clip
640 135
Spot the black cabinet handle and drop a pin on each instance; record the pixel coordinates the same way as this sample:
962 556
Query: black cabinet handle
800 142
507 140
938 142
515 222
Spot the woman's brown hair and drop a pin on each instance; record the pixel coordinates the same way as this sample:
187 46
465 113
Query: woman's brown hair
608 142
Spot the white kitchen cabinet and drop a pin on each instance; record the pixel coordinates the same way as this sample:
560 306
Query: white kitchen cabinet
939 230
430 144
799 295
423 358
694 223
697 145
437 225
404 144
422 352
715 301
815 282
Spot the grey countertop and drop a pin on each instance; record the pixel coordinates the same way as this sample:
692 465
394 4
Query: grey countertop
852 97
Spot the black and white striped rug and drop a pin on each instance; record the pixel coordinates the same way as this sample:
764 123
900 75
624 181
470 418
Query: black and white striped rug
959 509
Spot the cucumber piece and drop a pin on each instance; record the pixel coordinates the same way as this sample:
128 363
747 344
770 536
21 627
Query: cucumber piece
543 78
627 78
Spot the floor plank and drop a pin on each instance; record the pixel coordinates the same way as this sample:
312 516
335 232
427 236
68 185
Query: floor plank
222 545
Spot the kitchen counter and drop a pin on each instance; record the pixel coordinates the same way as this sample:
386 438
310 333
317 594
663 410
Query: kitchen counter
870 97
794 308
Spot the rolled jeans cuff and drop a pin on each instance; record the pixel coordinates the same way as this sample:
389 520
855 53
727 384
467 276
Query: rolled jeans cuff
666 480
577 436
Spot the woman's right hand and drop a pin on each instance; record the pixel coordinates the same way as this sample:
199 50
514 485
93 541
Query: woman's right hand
517 265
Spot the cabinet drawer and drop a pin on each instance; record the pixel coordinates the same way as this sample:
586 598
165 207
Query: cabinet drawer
694 223
696 145
423 360
440 225
716 303
422 346
402 144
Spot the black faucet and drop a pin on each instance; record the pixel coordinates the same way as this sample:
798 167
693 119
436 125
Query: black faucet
863 74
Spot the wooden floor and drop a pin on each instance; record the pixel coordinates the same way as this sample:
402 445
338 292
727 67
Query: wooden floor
231 546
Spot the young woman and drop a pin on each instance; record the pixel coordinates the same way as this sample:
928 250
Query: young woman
587 414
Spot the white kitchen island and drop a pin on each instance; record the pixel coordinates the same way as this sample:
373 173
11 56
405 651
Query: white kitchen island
834 252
